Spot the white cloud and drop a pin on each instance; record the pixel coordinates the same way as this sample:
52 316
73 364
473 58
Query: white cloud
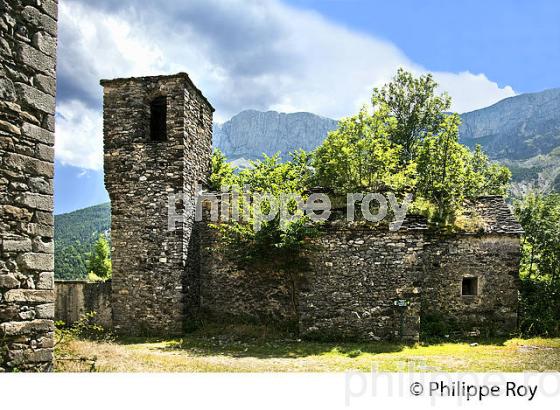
241 53
470 91
79 141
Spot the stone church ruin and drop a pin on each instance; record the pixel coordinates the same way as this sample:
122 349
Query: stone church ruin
361 282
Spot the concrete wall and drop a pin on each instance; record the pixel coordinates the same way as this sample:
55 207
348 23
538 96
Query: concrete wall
75 298
151 268
28 33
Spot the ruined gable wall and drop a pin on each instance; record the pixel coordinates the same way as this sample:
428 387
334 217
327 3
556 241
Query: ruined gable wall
494 260
28 31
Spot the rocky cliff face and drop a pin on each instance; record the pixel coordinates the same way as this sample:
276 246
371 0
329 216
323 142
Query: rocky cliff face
516 128
523 132
251 133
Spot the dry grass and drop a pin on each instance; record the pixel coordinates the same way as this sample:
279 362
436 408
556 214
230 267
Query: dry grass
249 349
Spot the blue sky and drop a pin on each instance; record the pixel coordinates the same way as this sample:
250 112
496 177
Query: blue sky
513 42
322 56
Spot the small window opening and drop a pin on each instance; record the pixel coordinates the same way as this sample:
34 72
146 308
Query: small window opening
470 287
158 119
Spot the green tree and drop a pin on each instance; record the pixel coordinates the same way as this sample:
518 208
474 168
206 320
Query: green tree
359 155
99 264
415 106
489 178
443 168
222 171
272 179
540 218
540 264
408 143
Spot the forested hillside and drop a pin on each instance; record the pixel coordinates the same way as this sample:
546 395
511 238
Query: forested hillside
75 233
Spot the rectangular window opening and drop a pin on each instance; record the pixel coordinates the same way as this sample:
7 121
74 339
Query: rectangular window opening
469 287
158 119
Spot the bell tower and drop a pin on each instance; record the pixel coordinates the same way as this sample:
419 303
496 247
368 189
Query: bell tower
157 136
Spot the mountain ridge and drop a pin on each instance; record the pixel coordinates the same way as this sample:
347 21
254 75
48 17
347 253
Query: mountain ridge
522 132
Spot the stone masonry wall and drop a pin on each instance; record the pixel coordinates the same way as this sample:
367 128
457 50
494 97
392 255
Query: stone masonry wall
74 298
259 293
28 31
493 260
357 275
368 283
151 287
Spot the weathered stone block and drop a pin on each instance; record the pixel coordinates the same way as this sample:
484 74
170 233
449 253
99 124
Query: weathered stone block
41 246
41 185
36 261
16 213
7 90
48 122
46 280
46 341
45 152
35 98
38 133
35 59
39 20
35 229
16 245
18 357
9 127
27 315
45 43
45 311
8 281
29 165
50 7
38 201
36 326
46 83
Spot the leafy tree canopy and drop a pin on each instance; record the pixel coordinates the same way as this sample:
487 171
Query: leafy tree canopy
540 264
99 263
407 142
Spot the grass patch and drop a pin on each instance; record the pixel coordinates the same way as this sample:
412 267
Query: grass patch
261 349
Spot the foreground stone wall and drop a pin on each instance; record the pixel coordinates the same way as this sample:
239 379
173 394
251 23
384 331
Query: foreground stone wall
74 298
151 269
28 32
493 260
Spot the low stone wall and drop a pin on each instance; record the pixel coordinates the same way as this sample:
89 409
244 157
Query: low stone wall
75 298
